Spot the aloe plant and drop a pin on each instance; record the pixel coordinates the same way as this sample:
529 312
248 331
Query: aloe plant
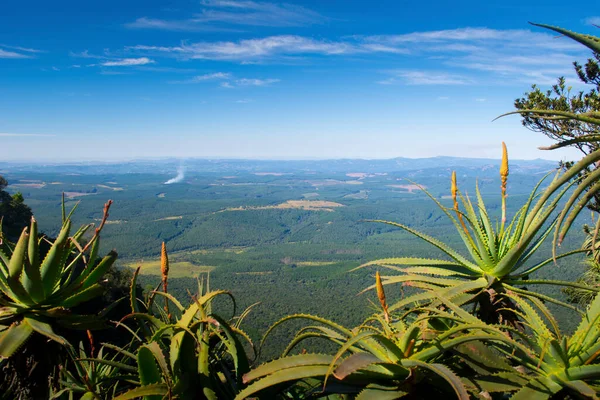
197 355
38 294
94 380
556 362
389 357
498 254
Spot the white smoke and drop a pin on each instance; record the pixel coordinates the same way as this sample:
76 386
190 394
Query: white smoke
180 176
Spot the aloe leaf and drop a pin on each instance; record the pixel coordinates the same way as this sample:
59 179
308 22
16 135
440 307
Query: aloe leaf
45 329
15 266
501 382
83 296
354 363
120 350
172 298
97 273
51 266
193 309
443 247
110 363
582 388
537 389
591 42
443 372
235 349
324 321
300 360
282 376
148 370
379 392
13 338
158 390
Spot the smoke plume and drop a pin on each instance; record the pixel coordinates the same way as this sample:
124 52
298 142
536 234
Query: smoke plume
180 176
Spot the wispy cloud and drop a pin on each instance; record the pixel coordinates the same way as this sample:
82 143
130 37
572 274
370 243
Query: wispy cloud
255 82
127 62
257 49
7 51
425 78
206 77
218 14
227 80
244 101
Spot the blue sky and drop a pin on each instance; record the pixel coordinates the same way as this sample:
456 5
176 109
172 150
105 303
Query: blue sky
308 79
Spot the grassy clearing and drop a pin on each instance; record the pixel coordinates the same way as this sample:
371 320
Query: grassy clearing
315 263
308 205
181 269
169 218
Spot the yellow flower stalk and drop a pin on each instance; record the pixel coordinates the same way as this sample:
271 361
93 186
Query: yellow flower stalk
454 191
381 296
164 269
503 180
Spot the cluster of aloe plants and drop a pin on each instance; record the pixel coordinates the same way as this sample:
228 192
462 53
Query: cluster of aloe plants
38 294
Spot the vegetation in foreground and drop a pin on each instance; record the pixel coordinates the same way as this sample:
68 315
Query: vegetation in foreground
475 328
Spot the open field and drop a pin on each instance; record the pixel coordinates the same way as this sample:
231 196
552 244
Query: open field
308 205
180 269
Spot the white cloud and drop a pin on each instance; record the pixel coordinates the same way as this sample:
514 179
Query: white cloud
12 54
215 14
256 49
206 77
480 100
127 62
462 55
244 101
425 78
255 82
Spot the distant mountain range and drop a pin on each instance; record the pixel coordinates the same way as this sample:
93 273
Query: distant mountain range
168 166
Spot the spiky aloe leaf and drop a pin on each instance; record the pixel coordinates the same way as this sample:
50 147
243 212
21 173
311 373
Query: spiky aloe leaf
282 376
353 363
187 317
444 372
234 348
51 266
83 296
501 382
148 370
280 364
588 330
98 272
380 392
591 42
45 329
32 280
583 389
13 338
158 390
15 267
442 246
537 389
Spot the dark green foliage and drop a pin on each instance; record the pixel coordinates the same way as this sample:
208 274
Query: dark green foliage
14 213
